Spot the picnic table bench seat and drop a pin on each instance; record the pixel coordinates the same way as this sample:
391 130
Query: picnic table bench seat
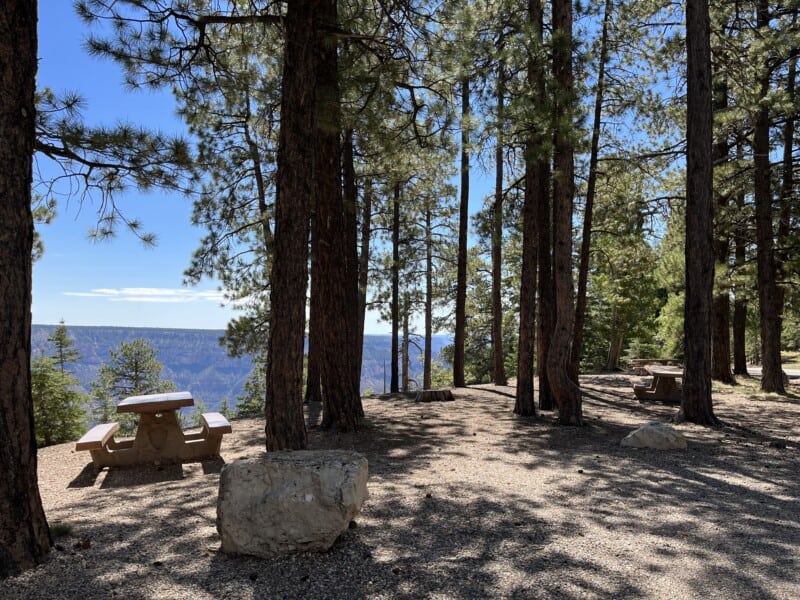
214 426
97 437
215 423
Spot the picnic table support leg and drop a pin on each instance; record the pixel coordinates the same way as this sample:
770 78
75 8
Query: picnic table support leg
159 437
664 389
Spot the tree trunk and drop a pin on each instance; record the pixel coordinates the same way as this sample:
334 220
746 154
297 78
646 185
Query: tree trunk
566 392
338 279
353 283
363 265
546 286
696 404
739 336
394 383
785 237
314 357
614 352
524 404
426 365
771 371
586 239
406 342
459 338
285 426
497 242
24 534
721 303
614 342
740 291
721 338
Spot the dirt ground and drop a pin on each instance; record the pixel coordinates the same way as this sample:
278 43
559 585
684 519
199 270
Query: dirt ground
467 500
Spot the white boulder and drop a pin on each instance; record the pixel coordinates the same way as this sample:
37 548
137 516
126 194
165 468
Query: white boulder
655 435
288 502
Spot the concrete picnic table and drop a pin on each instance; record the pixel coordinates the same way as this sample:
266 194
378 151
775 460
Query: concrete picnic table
159 437
663 387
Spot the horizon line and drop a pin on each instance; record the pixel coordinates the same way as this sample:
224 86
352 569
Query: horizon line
190 328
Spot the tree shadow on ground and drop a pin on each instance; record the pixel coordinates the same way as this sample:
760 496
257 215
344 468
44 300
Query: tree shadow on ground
467 500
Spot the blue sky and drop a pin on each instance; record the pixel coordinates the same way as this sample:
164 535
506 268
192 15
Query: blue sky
117 282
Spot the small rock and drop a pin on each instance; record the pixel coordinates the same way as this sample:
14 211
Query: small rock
352 525
396 570
158 563
253 576
655 435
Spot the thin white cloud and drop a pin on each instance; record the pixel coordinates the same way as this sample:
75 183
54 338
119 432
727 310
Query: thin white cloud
153 295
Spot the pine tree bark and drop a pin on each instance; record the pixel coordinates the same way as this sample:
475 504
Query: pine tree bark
394 380
24 534
363 263
524 404
544 233
740 291
353 284
696 402
614 342
313 391
721 303
338 277
769 312
535 165
721 338
786 212
739 337
566 392
426 363
285 425
406 343
499 374
459 338
591 184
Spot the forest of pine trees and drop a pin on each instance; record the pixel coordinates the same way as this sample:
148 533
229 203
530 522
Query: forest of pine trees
644 199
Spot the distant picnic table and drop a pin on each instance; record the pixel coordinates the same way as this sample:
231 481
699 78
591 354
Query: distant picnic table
662 387
638 365
159 437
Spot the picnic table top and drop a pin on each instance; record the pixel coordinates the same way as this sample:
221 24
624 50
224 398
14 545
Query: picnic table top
152 403
664 371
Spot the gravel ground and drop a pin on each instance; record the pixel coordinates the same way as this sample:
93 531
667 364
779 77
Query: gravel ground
466 501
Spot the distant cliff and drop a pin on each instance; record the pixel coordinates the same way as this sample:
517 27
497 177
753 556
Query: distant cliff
195 361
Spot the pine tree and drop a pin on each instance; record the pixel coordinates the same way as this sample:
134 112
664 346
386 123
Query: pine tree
24 535
566 392
59 410
64 353
696 402
251 402
133 370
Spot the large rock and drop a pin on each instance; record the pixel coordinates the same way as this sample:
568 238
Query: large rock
655 435
288 502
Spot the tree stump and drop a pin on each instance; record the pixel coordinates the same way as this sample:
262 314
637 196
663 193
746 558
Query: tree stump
434 396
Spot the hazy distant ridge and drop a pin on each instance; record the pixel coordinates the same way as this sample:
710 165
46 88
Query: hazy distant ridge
195 361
